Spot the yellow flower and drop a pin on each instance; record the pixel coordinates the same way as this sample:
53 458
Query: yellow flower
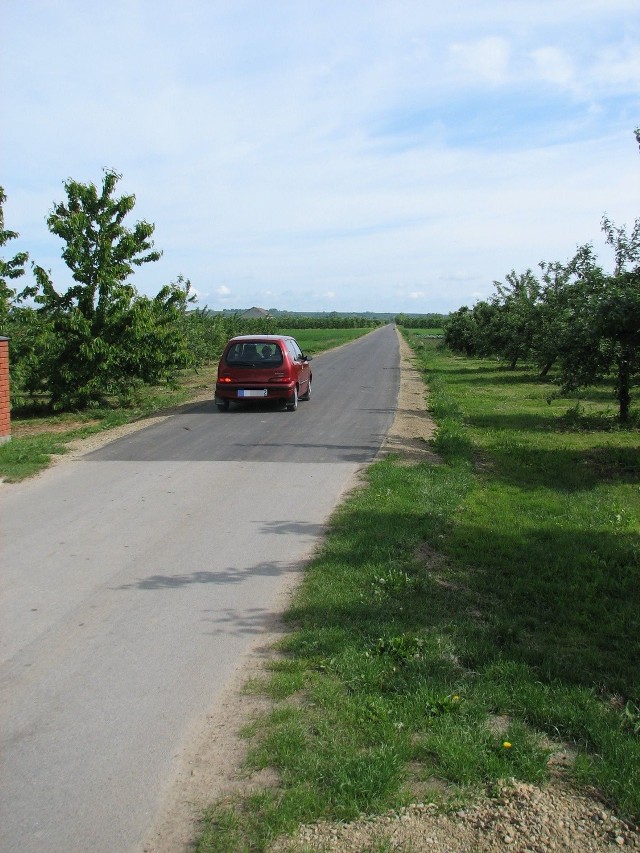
455 698
506 745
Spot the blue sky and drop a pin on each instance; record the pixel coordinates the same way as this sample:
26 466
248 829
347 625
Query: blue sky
389 155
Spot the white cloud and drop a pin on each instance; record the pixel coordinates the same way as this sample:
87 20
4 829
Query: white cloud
314 157
555 66
483 61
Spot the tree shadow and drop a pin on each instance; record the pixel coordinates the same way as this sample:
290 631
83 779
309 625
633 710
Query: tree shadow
236 623
219 577
565 602
562 469
297 528
493 377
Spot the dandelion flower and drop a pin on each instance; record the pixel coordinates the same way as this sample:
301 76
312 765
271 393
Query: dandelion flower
506 745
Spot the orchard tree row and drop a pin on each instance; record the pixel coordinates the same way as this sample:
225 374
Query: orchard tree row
333 320
574 318
578 323
100 339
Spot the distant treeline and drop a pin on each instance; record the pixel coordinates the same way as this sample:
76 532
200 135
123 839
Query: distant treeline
424 321
328 321
278 313
346 319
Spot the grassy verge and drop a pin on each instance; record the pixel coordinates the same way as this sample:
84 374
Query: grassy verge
36 439
463 621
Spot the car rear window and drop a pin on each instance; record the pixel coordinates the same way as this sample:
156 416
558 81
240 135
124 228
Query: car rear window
248 354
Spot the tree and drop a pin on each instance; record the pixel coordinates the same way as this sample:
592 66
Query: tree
517 300
104 338
604 314
461 332
502 326
9 270
100 252
552 318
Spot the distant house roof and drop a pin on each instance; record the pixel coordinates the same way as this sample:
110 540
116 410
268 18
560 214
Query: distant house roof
255 313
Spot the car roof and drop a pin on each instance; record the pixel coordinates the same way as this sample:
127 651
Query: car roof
261 338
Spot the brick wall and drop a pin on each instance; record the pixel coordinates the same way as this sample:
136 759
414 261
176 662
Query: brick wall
5 417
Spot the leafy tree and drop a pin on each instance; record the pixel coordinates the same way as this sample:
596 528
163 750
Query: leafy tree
10 270
100 252
461 331
19 323
604 313
100 336
489 336
473 331
626 247
552 324
502 326
514 322
619 323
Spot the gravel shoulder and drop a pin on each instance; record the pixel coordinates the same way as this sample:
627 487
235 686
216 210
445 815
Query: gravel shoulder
520 817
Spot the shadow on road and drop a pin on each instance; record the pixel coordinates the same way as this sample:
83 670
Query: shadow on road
218 577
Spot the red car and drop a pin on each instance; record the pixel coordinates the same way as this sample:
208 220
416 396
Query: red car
256 368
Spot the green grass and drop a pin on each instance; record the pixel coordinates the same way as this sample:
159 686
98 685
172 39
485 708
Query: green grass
452 608
427 333
24 457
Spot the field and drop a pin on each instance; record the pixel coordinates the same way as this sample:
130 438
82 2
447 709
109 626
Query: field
464 622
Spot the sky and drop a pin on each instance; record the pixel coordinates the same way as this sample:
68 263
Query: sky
327 155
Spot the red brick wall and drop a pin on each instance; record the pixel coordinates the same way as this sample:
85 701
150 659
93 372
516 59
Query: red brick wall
5 417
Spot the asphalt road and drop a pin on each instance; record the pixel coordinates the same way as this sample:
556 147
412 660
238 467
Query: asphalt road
134 579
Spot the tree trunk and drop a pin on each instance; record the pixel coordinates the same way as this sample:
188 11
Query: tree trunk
624 387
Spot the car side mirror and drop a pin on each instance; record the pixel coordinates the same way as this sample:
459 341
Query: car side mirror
306 357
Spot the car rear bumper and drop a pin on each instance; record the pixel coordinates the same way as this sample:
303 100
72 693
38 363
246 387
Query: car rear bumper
282 391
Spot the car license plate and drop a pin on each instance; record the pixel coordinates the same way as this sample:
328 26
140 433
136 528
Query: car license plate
261 393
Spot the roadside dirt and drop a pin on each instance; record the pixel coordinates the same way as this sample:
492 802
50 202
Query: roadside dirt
520 818
412 427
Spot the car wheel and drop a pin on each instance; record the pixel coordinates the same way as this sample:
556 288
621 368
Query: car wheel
307 394
223 406
292 402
